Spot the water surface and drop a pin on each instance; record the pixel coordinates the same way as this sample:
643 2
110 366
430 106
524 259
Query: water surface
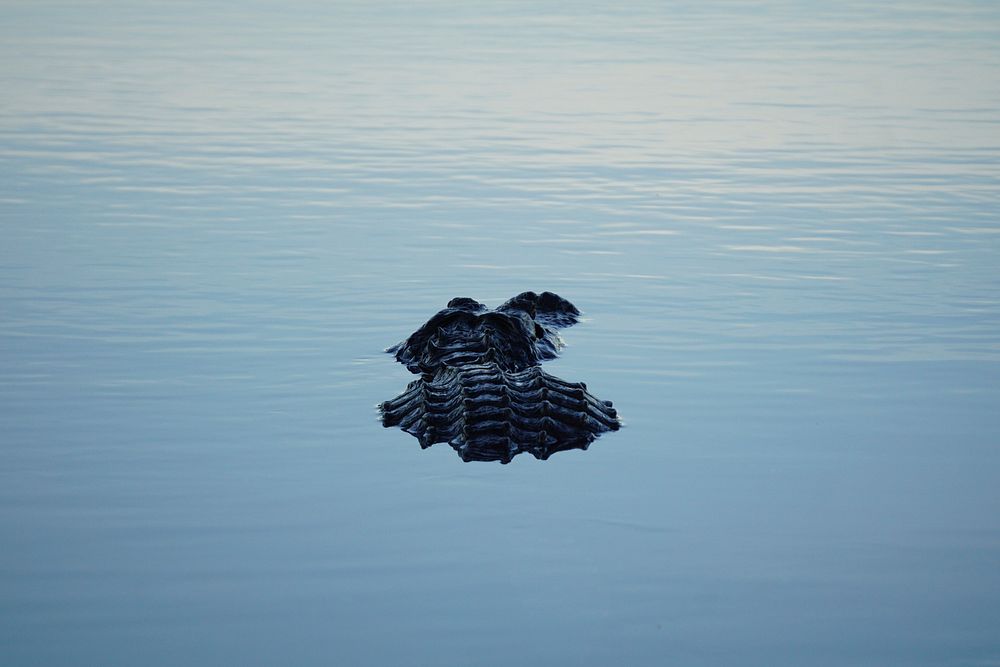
779 219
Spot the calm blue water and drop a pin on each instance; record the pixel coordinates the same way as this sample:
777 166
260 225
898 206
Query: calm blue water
780 220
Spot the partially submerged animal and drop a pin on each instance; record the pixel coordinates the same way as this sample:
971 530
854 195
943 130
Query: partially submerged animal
481 388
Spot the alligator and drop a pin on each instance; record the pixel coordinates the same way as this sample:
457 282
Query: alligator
481 388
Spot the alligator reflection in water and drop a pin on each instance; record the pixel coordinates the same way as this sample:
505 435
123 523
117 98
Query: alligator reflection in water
481 389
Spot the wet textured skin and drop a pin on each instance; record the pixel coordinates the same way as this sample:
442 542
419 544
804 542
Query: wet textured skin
481 388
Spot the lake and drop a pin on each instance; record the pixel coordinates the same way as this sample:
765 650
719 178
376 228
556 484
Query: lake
779 219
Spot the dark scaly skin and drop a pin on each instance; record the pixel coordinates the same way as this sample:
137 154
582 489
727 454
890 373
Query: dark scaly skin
481 388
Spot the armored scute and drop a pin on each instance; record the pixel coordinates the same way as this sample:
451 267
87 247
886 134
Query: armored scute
481 388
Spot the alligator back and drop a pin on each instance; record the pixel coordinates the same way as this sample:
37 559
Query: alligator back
481 388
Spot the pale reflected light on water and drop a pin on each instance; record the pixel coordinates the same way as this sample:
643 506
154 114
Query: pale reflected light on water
779 219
